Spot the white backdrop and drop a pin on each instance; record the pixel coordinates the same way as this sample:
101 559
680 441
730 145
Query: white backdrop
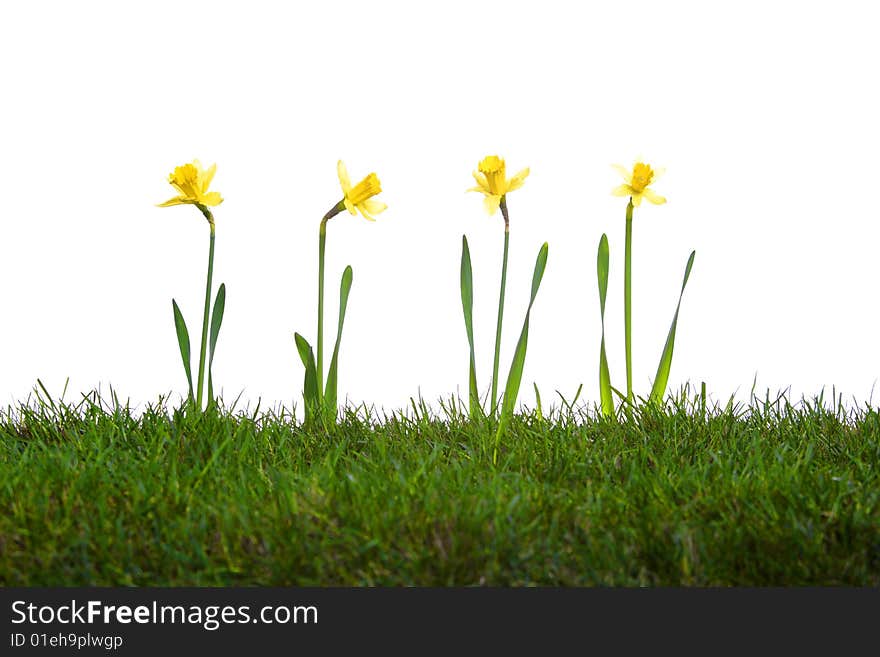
764 114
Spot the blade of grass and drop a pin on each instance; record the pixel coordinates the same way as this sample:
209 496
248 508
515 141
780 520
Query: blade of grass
577 394
606 402
330 391
216 321
569 405
467 305
183 343
514 378
665 364
538 408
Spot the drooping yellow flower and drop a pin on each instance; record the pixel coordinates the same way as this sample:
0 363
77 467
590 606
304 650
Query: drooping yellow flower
492 181
192 182
360 197
637 182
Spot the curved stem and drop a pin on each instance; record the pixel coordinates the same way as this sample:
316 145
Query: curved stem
494 399
627 300
204 345
322 241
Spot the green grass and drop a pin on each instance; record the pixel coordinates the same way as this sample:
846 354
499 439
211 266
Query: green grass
774 493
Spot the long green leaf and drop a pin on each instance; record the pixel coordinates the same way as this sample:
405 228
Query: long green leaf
467 306
330 390
216 321
607 403
183 343
514 377
665 365
310 383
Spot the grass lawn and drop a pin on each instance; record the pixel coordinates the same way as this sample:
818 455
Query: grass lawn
774 493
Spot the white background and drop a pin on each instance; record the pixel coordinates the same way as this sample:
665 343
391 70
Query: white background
764 114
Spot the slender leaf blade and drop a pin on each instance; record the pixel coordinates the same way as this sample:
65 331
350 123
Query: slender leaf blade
183 343
602 267
467 306
303 348
514 377
330 388
217 316
540 266
606 400
665 365
602 257
216 322
310 382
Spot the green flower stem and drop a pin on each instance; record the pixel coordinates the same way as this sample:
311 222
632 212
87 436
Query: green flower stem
627 300
322 241
494 400
204 345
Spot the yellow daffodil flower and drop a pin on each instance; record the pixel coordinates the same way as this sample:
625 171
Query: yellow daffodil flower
492 181
637 182
360 197
192 182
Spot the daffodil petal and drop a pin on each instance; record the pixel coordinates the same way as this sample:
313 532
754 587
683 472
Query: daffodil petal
482 183
212 198
517 181
208 177
349 206
623 171
622 190
659 171
364 212
656 199
637 199
344 180
177 200
373 206
491 203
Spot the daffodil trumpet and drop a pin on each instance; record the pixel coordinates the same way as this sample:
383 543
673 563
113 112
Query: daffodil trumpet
636 187
320 399
192 183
